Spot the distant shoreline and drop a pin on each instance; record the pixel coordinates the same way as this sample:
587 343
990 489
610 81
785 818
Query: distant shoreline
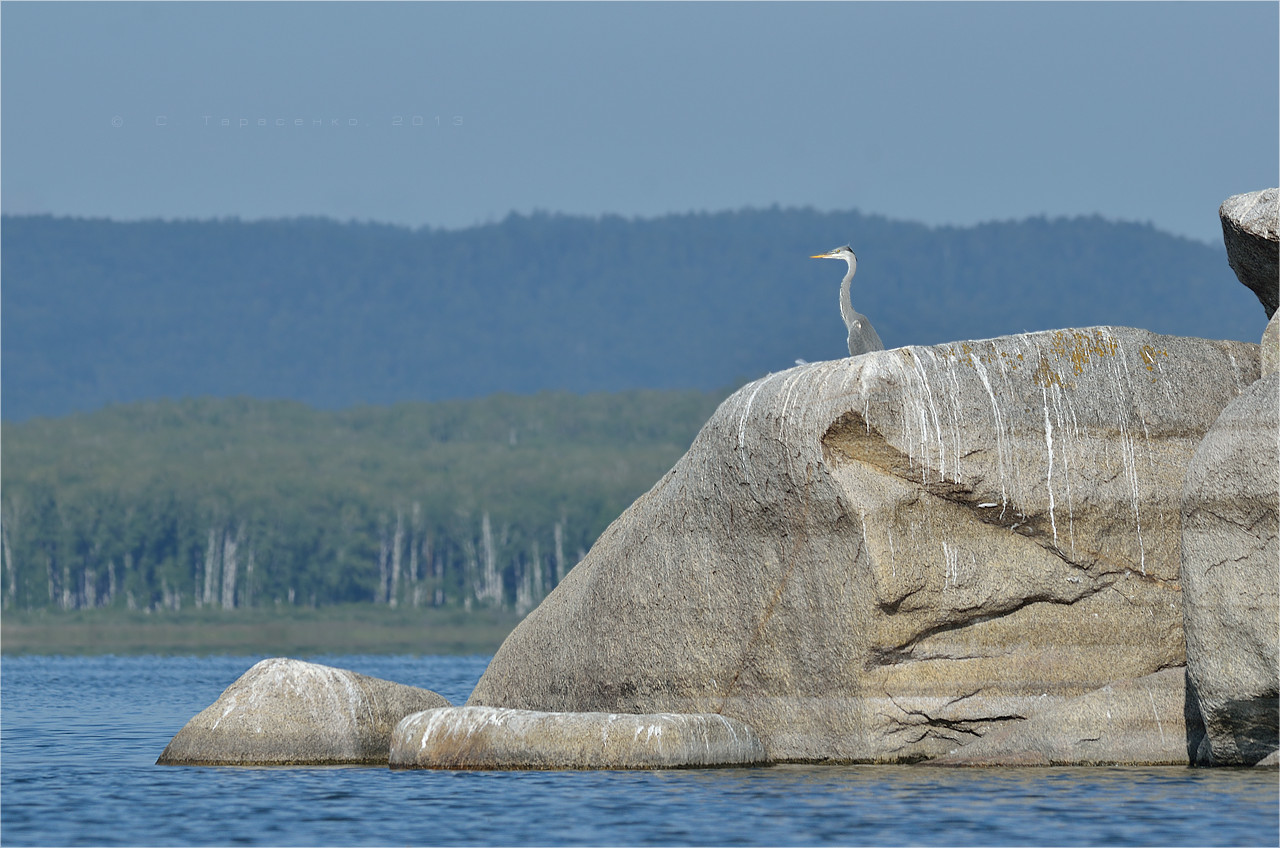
346 629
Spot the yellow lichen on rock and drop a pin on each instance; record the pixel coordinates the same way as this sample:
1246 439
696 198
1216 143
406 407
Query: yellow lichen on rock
1149 354
1080 345
1046 377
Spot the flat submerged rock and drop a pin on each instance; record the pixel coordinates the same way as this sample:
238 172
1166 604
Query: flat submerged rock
289 712
495 738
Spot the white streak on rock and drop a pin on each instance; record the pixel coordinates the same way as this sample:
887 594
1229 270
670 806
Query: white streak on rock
1002 447
916 360
1048 444
1066 459
1128 460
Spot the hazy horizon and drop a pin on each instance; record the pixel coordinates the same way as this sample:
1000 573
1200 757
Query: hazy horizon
452 115
1214 242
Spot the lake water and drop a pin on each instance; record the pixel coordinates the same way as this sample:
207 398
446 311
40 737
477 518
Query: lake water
79 738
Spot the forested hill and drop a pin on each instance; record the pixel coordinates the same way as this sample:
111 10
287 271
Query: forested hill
336 314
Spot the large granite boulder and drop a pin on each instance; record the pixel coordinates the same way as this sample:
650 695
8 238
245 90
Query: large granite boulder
1129 722
288 712
489 738
1230 577
1249 230
882 557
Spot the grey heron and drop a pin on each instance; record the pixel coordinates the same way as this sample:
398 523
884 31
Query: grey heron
863 337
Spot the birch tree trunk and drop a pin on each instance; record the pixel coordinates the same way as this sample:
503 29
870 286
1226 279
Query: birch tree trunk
210 566
492 585
559 534
384 551
66 587
246 594
396 541
414 533
229 546
11 591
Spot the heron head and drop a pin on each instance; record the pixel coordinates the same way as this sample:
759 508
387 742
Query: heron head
844 252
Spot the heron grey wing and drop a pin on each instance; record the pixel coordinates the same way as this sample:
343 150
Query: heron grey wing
863 337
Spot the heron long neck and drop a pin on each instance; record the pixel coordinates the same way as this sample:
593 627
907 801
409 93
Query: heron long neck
846 303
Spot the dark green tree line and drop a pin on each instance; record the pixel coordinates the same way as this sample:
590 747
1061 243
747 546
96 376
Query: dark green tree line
234 503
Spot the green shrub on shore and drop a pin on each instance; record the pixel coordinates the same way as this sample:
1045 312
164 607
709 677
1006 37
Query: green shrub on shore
347 629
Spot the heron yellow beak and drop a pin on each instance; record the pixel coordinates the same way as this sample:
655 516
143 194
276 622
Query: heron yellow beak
821 256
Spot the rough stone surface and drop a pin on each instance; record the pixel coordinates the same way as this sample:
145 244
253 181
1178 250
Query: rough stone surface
288 712
875 559
1271 346
489 738
1130 722
1230 572
1249 230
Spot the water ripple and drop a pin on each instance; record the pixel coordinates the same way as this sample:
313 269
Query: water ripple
79 737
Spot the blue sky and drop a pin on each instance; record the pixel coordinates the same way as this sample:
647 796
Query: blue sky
453 114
